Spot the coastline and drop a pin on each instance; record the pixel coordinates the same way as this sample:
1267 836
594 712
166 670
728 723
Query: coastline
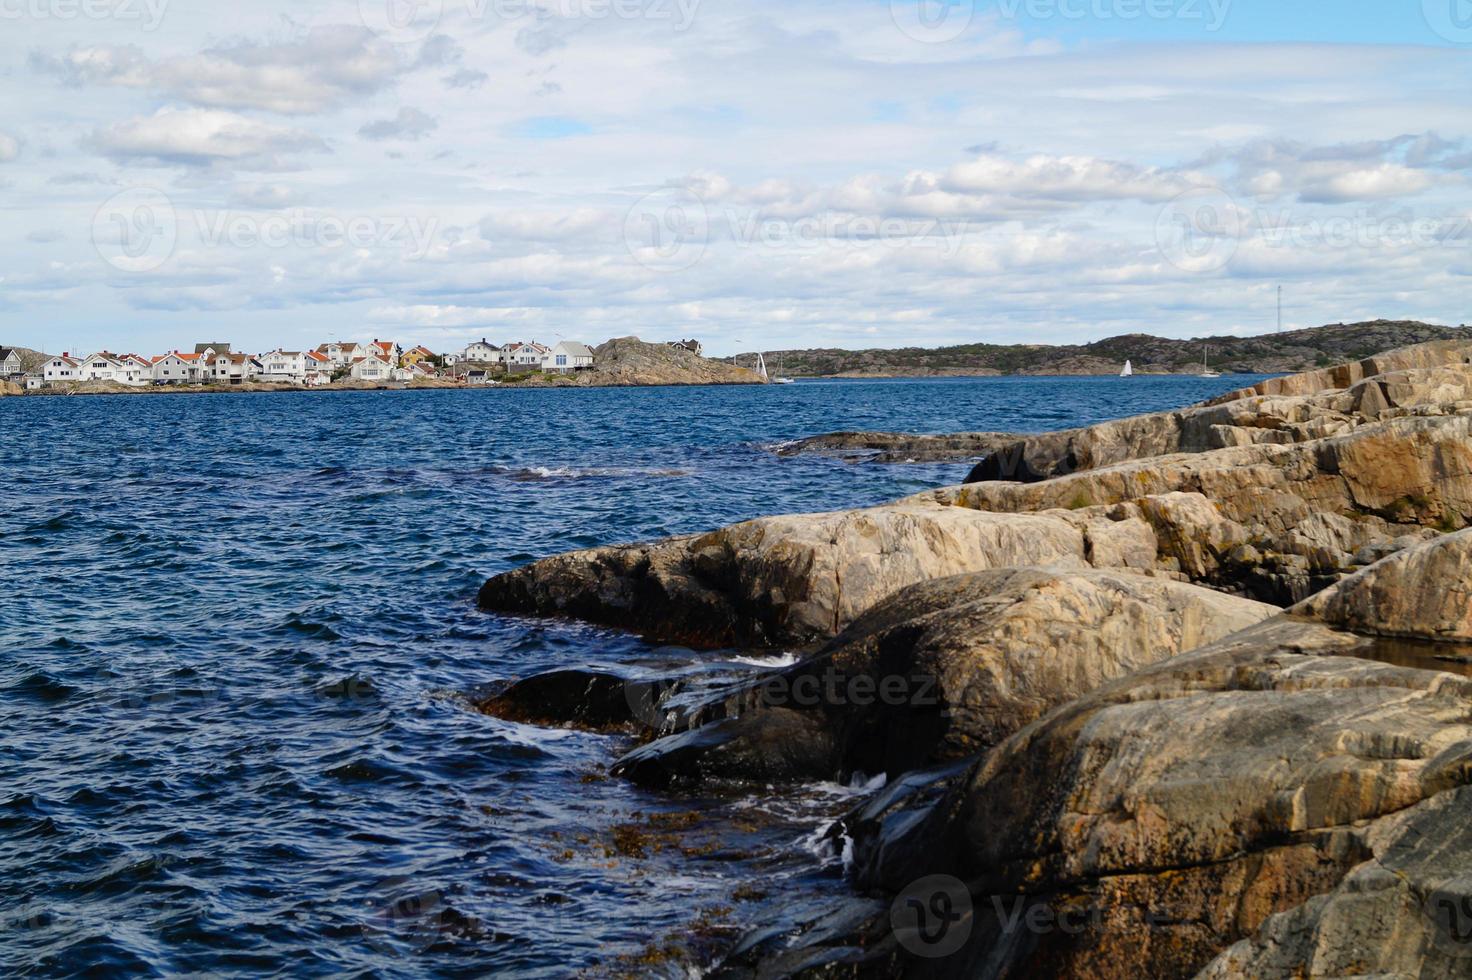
83 390
1213 586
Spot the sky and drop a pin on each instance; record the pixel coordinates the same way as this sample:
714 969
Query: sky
752 173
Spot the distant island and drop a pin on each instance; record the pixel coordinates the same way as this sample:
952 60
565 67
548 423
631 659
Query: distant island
1279 353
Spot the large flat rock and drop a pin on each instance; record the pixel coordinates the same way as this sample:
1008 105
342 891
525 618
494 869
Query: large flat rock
780 580
1278 799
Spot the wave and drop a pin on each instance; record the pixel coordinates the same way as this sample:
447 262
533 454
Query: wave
537 474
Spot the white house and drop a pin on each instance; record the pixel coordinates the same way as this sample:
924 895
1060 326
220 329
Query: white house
483 352
386 350
214 364
372 368
176 368
10 362
105 366
526 356
285 365
235 368
340 353
568 356
63 368
101 366
319 368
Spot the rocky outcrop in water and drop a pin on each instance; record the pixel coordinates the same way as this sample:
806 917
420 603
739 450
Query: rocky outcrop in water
940 671
1274 522
1116 772
1275 796
780 580
630 362
1295 409
897 447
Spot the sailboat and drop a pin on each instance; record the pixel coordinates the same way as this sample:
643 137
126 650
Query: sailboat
1206 371
1129 370
779 379
761 366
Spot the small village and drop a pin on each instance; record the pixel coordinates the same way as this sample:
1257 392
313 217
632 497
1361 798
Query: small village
380 362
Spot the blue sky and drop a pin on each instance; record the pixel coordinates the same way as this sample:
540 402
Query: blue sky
820 173
1245 21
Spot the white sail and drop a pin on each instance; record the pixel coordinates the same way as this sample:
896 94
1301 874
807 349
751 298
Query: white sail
761 365
781 379
1129 370
1206 371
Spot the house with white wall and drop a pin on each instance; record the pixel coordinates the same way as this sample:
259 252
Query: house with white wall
482 352
524 356
568 356
10 364
176 368
340 353
284 365
319 368
387 350
372 368
63 368
122 369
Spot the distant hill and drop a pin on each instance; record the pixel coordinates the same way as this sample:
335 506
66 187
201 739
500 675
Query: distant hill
1280 353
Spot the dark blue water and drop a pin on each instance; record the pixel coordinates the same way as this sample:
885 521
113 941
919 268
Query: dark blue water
238 635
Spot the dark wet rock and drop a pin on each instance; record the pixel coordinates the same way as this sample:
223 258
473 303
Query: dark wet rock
897 447
777 745
580 698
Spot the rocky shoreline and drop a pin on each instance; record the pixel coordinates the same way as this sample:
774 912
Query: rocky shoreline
1188 694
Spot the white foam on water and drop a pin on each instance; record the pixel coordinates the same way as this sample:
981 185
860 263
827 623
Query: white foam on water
772 660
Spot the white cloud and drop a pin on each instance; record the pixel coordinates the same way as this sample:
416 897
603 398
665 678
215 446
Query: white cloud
194 137
325 68
829 149
1388 180
9 148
